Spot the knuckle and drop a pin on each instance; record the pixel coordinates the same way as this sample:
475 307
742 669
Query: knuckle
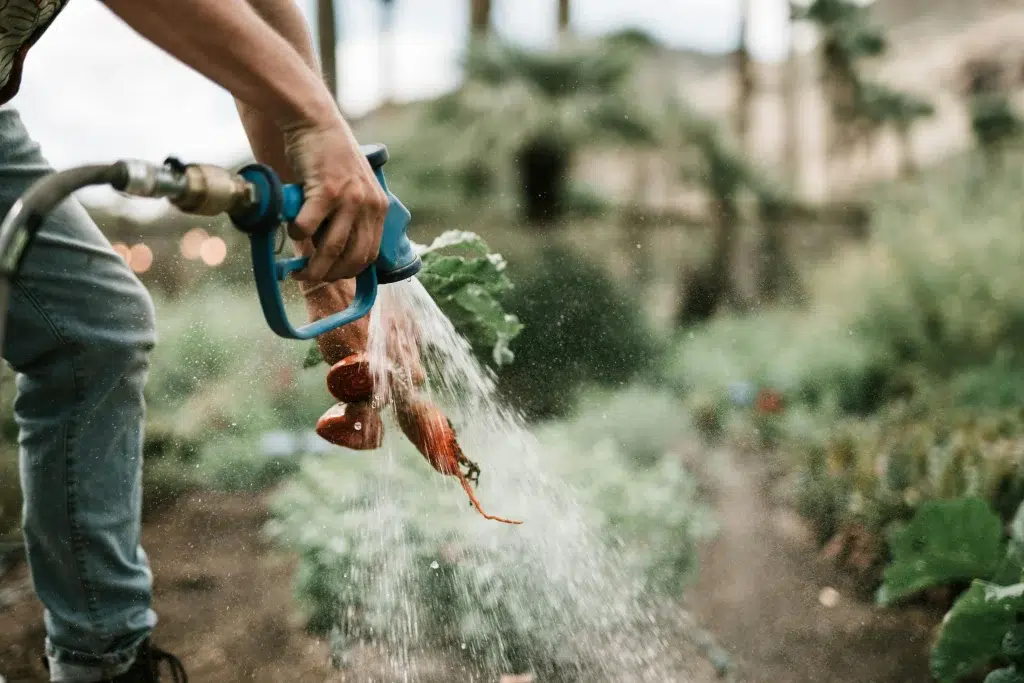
329 190
355 195
313 273
331 187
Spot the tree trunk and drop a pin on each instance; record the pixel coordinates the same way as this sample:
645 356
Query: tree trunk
563 17
776 274
328 44
543 180
386 56
479 18
712 286
908 163
793 93
745 83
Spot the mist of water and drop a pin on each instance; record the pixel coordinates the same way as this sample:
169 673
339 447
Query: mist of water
555 571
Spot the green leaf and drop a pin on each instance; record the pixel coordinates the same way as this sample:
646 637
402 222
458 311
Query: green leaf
467 282
946 541
496 326
1010 674
973 630
1015 548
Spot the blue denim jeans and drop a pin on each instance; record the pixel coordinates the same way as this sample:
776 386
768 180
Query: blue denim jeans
79 334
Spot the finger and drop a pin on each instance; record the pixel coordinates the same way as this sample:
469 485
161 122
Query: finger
314 211
302 247
361 250
333 245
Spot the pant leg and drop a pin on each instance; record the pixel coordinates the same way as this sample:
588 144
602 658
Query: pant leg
79 333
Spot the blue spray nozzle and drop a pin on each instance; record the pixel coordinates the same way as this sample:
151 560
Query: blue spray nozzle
275 203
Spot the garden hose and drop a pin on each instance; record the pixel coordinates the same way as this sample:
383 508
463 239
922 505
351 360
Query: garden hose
27 214
195 189
257 203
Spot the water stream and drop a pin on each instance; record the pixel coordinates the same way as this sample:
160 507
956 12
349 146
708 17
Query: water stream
552 595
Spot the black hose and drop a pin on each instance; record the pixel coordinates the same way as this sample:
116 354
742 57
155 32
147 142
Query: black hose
26 216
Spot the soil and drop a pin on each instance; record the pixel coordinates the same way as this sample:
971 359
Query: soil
225 602
786 612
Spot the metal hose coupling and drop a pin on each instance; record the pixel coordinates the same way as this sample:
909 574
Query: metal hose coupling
202 189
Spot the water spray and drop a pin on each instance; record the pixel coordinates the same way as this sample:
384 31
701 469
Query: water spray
254 198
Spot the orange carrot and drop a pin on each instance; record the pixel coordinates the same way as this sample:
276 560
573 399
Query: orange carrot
322 301
352 425
432 433
350 379
355 421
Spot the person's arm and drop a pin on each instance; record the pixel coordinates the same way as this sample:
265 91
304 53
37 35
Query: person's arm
265 137
231 44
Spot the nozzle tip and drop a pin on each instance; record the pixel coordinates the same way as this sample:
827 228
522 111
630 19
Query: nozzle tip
403 272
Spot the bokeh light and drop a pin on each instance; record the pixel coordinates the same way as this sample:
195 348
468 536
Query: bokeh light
140 257
213 251
192 242
123 251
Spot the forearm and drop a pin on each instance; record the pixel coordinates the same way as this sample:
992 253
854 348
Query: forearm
267 145
265 138
228 42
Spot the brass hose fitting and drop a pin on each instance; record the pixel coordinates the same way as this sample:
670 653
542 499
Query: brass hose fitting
210 190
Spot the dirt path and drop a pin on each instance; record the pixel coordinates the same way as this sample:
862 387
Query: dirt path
223 595
760 591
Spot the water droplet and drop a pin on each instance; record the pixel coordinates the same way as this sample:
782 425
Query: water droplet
435 565
463 646
358 426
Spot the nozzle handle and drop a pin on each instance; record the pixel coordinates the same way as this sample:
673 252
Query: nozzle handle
277 203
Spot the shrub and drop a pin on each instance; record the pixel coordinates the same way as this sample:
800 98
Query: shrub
580 329
936 297
808 359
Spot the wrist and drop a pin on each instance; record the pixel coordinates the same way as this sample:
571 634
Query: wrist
310 108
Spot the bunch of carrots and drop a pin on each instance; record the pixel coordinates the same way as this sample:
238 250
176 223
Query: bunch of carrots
354 421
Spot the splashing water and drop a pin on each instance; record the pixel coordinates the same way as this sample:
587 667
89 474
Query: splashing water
564 586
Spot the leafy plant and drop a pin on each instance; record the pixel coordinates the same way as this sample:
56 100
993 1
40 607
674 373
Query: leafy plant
467 282
877 471
976 631
985 626
947 541
962 541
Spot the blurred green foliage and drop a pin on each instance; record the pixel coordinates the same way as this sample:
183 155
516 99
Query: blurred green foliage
901 375
506 140
386 547
581 327
963 542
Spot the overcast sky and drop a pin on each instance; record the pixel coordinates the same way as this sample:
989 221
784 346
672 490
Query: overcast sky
95 91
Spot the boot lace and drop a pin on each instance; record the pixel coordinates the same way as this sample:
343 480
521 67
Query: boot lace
155 656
